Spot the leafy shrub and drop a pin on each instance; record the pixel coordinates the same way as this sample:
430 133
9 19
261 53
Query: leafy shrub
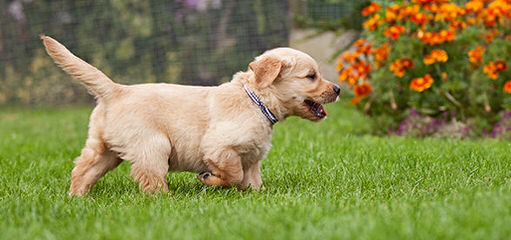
435 56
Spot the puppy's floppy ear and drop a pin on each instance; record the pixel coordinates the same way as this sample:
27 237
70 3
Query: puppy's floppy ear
266 69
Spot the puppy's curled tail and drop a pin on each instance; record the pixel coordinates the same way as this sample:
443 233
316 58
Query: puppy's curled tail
94 80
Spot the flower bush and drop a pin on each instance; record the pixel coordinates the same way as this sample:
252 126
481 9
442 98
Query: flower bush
436 56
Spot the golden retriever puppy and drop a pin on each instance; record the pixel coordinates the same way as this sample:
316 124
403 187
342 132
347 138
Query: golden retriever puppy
220 132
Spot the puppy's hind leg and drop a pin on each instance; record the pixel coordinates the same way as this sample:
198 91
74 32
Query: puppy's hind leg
94 162
226 169
150 163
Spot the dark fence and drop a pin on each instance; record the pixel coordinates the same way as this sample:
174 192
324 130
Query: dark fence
200 42
328 15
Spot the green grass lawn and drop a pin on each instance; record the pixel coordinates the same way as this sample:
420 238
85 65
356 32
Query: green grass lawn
323 181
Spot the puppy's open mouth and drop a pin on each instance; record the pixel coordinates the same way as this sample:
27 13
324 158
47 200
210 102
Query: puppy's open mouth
317 109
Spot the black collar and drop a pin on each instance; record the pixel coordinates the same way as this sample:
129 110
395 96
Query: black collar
267 113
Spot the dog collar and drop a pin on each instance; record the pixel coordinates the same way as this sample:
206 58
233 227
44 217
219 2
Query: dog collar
261 105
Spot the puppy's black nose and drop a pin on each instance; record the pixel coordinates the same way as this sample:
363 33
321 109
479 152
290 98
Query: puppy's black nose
337 90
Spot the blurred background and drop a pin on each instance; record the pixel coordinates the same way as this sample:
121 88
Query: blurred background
197 42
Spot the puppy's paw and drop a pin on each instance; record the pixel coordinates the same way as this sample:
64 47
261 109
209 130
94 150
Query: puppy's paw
209 179
204 175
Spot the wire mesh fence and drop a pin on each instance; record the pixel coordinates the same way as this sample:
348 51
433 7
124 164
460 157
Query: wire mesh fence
200 42
328 15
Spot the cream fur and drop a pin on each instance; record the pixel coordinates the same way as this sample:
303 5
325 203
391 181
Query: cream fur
167 127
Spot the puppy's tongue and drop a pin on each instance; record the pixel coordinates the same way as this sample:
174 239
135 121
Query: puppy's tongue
319 110
322 109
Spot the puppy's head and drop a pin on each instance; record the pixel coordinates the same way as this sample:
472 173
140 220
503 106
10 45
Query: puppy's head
293 78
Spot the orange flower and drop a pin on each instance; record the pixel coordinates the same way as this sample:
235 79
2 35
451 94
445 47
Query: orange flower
398 71
428 60
495 10
362 67
421 84
363 89
345 74
372 23
490 20
359 42
498 8
436 39
420 18
471 21
490 34
408 11
446 35
339 65
507 87
374 7
407 63
457 25
394 31
381 54
500 66
399 66
475 6
364 49
353 79
355 100
348 74
433 38
476 55
449 12
350 57
492 69
434 8
427 2
444 76
437 55
391 13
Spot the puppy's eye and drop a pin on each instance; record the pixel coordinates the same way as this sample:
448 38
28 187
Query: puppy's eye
311 76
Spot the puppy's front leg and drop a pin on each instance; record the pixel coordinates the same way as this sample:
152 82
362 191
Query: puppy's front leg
226 169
